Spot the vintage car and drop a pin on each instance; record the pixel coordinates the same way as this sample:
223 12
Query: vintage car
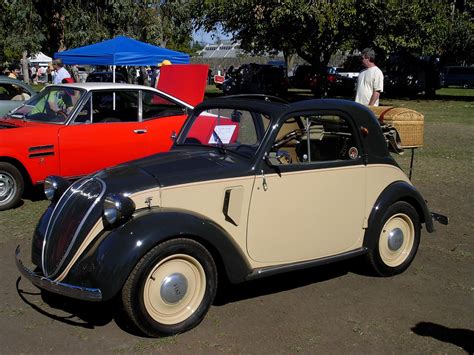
256 79
274 188
72 130
13 93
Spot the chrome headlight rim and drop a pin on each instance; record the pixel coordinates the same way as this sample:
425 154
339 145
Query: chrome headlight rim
54 186
117 208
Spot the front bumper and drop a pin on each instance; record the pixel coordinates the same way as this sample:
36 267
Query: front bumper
81 293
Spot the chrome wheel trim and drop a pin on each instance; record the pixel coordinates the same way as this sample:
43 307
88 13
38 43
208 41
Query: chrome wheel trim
396 240
174 289
8 187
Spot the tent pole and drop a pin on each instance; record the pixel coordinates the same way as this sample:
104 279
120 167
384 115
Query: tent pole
113 80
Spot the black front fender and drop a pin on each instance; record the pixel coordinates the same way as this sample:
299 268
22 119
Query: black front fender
397 191
109 260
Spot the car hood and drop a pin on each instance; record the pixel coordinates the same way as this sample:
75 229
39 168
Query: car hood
18 123
186 82
176 167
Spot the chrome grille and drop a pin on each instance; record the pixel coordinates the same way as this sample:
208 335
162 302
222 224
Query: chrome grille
78 205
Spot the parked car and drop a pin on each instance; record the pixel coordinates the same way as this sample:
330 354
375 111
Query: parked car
105 77
256 79
457 76
330 84
75 129
270 188
13 93
406 75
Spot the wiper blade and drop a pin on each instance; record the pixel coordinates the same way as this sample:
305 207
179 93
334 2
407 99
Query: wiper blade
17 115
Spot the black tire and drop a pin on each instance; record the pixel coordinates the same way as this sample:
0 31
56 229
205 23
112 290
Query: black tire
171 288
398 238
11 186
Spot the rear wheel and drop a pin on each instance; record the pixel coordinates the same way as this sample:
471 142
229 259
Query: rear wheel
398 239
171 288
11 186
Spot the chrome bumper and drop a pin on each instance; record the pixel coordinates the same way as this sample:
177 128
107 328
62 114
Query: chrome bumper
82 293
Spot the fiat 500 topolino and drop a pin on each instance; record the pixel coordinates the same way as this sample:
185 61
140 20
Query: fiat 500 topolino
270 188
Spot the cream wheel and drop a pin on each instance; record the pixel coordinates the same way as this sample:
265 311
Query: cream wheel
396 240
174 289
171 288
397 237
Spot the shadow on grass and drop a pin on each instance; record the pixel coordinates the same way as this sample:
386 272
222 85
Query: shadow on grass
83 314
229 293
464 338
90 315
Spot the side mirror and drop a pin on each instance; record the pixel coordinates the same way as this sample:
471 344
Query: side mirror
276 158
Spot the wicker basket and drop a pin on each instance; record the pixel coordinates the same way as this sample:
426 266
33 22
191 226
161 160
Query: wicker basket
408 123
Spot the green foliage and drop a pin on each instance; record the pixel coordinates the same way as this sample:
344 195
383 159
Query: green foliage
19 30
52 26
316 29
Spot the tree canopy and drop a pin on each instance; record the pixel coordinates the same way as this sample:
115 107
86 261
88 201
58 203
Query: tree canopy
316 29
57 25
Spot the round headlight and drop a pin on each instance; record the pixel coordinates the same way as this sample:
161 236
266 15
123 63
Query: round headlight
54 187
118 207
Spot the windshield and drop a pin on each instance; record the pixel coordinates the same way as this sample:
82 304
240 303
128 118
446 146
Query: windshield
53 104
232 130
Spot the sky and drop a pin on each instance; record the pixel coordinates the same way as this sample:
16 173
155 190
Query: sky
209 37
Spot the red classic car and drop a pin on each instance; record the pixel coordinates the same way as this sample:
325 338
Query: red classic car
75 129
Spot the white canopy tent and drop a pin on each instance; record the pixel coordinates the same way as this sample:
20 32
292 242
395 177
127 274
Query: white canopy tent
40 58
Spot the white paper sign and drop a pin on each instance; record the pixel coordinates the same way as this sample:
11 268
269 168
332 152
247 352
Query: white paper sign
223 132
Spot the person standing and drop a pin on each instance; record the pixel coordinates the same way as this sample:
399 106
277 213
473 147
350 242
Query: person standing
370 80
61 72
157 73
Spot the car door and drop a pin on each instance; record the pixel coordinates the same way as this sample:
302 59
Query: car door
162 118
310 204
106 131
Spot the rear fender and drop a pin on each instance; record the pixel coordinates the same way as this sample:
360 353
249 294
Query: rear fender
108 262
397 191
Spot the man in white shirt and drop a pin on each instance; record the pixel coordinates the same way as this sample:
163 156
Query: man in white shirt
61 72
370 80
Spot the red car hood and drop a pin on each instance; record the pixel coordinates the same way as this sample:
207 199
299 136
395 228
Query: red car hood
17 123
186 82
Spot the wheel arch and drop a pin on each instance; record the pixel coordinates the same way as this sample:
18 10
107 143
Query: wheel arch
397 191
21 168
110 259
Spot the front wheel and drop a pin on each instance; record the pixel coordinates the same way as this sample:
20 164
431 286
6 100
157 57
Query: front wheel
398 237
11 186
171 288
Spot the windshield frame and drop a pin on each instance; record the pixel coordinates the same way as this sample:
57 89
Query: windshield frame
19 115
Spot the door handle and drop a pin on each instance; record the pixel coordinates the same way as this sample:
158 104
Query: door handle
140 131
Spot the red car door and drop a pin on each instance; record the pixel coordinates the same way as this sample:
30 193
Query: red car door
90 147
105 132
161 117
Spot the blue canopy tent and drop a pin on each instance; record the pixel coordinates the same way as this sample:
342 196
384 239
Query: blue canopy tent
121 51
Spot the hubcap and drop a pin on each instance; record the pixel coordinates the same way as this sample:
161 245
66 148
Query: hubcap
174 288
395 239
7 187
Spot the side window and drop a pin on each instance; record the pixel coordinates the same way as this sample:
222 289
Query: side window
314 138
110 106
13 92
155 106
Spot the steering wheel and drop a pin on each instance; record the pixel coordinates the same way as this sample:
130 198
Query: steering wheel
62 115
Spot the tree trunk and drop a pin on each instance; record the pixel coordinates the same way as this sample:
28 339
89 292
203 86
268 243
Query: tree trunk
24 64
